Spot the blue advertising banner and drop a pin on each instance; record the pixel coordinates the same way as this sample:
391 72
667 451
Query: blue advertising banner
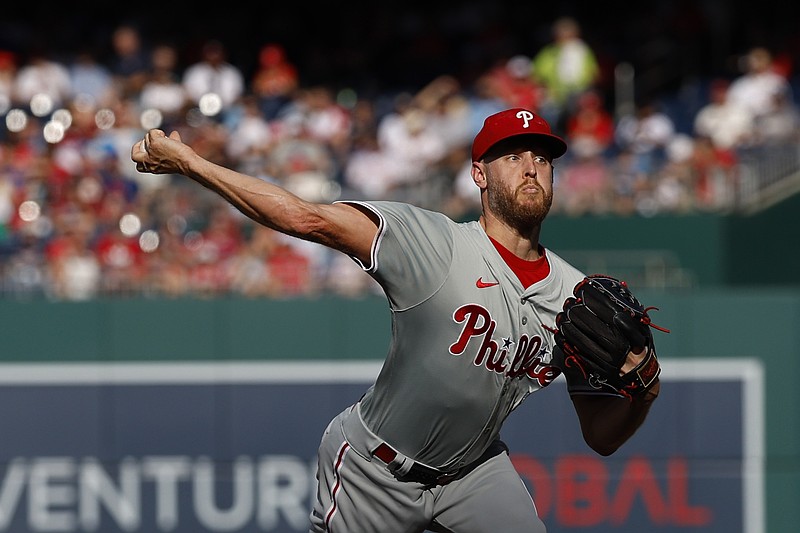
212 447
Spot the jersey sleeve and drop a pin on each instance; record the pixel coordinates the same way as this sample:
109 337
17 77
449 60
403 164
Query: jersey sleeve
412 252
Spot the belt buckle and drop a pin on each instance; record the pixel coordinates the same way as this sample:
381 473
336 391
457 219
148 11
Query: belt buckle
446 478
385 453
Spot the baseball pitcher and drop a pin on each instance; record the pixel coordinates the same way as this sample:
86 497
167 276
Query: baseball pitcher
483 315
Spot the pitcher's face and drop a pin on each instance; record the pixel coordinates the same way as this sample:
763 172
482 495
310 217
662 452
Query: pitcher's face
519 186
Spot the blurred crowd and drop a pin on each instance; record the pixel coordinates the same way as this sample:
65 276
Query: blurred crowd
77 221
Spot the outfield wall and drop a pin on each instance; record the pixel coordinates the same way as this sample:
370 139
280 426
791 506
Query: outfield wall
741 330
209 447
709 250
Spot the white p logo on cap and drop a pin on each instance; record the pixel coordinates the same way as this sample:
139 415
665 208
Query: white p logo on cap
526 117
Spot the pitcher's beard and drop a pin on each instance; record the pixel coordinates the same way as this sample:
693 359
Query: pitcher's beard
523 216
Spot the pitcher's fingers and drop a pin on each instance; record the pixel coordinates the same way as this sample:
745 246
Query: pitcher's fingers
138 151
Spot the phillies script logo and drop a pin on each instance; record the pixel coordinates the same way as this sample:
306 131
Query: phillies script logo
496 358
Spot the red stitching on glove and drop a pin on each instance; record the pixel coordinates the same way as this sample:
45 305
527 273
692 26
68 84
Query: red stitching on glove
647 322
578 363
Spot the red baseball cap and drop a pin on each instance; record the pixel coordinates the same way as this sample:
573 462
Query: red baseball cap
513 122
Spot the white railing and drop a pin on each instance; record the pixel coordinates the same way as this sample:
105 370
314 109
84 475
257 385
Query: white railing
767 175
654 269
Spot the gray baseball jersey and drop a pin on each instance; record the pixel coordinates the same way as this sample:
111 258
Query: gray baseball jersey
468 342
468 346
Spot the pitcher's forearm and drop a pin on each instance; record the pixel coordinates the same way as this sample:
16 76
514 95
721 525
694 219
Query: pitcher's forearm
260 200
607 422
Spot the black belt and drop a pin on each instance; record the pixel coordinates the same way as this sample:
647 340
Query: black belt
430 476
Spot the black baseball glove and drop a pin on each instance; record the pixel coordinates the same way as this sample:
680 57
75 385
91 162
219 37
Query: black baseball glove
596 329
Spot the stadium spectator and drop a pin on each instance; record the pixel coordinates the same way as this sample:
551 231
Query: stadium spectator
213 75
74 272
8 72
484 99
24 274
163 89
275 265
646 134
447 112
758 85
293 271
590 127
728 124
628 183
404 136
368 173
299 160
715 175
274 81
566 67
318 116
248 270
211 248
44 77
130 61
672 188
513 83
121 260
91 83
583 186
781 124
250 138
